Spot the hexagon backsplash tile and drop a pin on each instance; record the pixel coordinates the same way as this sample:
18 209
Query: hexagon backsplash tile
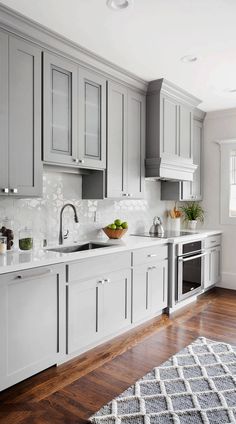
42 214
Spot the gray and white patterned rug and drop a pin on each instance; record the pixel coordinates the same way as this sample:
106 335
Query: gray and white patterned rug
195 386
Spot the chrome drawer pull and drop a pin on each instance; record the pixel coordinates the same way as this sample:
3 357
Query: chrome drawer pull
151 255
107 280
101 281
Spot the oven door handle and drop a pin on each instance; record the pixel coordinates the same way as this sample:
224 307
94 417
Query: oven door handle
191 258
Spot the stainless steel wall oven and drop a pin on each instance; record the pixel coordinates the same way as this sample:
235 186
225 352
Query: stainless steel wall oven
190 267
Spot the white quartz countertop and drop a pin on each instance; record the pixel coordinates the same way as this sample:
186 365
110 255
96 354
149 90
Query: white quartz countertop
15 260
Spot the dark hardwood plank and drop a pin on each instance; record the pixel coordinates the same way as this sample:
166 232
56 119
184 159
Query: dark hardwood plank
70 393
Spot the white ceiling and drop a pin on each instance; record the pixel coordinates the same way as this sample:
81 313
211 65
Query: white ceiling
150 37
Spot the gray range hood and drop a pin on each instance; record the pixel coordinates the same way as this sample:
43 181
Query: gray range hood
169 138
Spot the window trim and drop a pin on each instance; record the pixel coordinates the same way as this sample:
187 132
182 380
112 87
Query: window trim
226 147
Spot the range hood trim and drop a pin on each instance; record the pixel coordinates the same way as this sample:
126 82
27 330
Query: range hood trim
169 169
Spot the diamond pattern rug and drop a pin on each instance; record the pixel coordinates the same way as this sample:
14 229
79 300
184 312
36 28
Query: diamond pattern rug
195 386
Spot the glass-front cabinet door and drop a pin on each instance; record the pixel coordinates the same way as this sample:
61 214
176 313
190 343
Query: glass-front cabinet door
60 110
91 150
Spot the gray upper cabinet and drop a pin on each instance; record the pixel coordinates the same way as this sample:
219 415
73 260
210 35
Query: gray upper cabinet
169 130
20 86
136 143
60 77
125 141
169 152
92 120
117 105
185 132
3 114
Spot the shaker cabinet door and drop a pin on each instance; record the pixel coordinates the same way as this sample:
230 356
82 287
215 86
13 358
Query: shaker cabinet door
169 130
25 167
4 114
31 322
60 110
186 133
83 313
117 140
136 144
92 119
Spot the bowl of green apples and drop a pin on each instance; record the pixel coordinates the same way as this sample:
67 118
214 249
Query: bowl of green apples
116 230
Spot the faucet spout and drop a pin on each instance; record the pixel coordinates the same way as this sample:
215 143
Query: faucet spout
76 219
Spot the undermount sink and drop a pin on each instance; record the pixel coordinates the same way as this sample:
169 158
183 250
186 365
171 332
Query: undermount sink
78 248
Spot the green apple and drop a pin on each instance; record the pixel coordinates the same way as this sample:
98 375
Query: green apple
124 225
119 228
113 226
118 222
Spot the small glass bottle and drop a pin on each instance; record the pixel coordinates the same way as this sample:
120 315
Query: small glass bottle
26 239
3 244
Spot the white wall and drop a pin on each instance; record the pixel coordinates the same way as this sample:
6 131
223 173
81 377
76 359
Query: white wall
218 125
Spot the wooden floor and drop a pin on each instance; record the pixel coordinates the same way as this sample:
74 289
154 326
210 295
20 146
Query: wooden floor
70 393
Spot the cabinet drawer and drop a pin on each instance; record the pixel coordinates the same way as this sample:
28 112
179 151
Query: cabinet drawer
212 241
149 254
98 266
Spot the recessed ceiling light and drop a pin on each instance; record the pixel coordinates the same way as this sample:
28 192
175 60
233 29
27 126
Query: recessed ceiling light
188 59
119 4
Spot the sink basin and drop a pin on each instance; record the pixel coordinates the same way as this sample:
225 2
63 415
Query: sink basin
78 248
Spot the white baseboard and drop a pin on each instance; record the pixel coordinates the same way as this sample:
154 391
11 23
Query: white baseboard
228 281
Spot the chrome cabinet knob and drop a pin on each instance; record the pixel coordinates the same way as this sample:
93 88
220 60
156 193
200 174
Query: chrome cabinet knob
81 160
107 280
101 282
14 190
75 160
5 190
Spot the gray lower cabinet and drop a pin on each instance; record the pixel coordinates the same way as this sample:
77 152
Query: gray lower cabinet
96 308
212 268
91 150
149 289
126 111
20 86
60 110
31 322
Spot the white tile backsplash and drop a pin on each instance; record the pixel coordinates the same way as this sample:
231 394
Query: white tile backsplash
42 214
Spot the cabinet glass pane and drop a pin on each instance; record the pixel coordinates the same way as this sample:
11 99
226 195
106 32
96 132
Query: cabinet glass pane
61 110
92 136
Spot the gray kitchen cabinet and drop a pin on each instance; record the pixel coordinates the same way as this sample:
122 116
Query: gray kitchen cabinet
149 289
31 322
97 305
136 144
169 152
212 268
117 108
169 130
126 142
3 113
192 190
60 110
92 120
21 170
185 132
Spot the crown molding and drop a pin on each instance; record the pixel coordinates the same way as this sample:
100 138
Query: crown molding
171 89
24 27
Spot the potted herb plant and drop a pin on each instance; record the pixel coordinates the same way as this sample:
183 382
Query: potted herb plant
193 212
